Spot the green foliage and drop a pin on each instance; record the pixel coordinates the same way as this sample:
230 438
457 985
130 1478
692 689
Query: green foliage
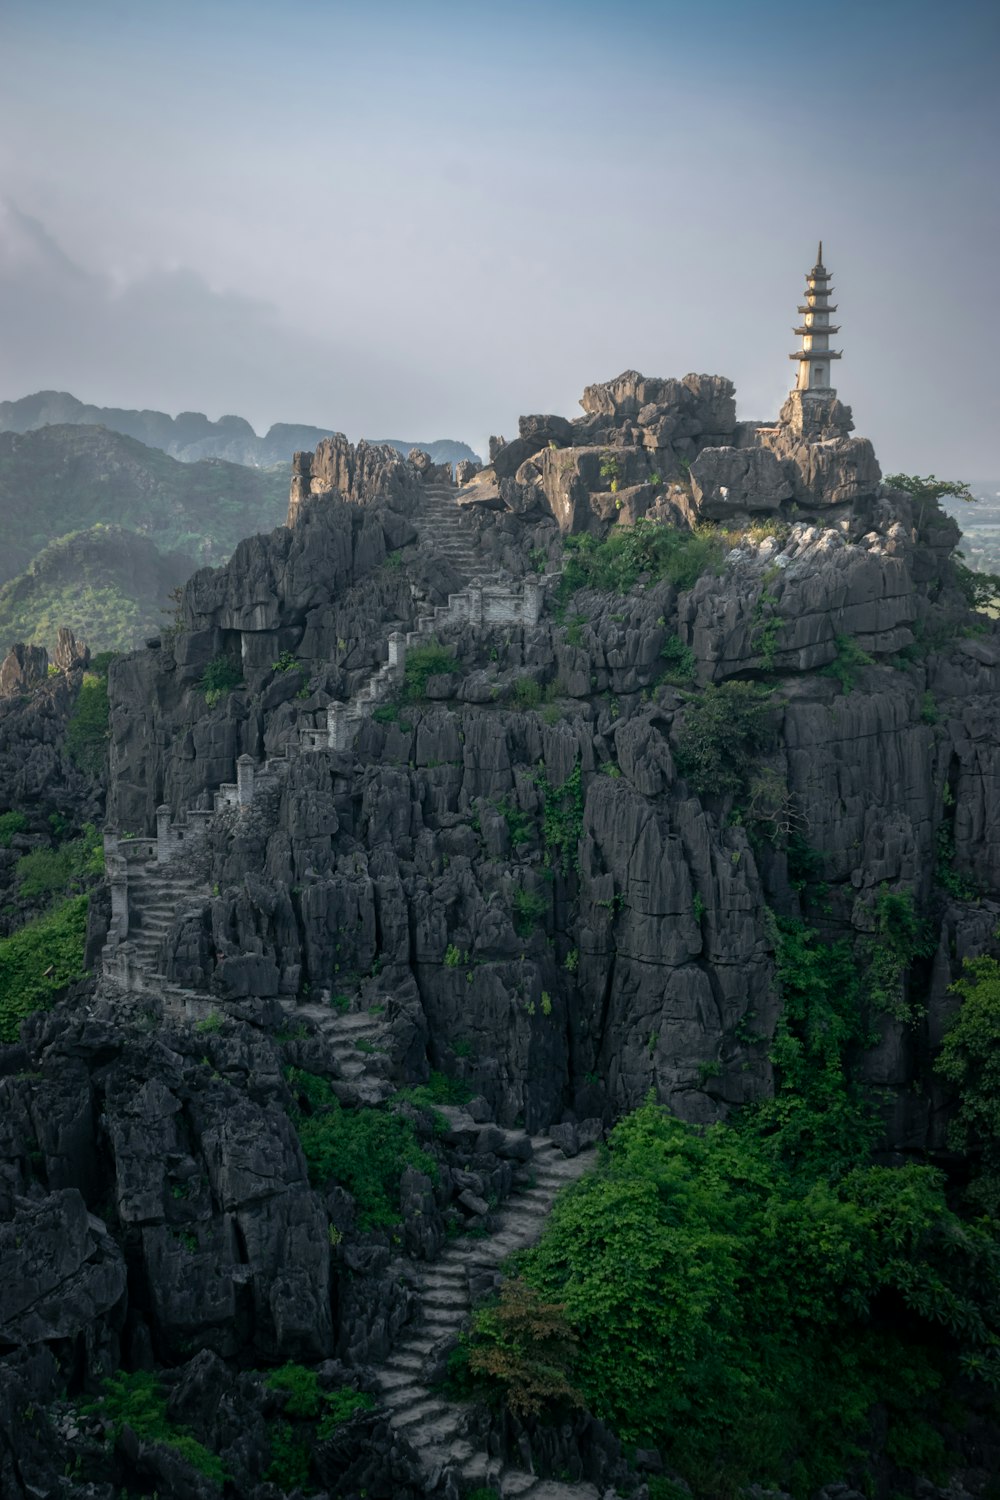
847 663
306 1401
366 1150
900 937
725 728
527 693
87 728
818 1118
929 711
386 713
520 825
929 489
574 631
107 583
524 1346
611 470
290 1450
220 677
40 960
680 660
62 871
139 1401
440 1089
957 885
980 590
970 1059
452 956
11 823
725 1308
286 662
766 625
529 909
423 662
649 547
562 826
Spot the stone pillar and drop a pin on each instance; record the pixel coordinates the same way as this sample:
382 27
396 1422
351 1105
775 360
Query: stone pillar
475 605
397 655
110 847
532 601
119 902
336 726
244 780
162 834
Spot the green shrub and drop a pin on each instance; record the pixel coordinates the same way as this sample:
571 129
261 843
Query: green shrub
440 1089
139 1401
562 824
680 661
724 729
220 677
11 823
970 1059
38 961
422 663
306 1401
520 825
847 663
286 662
61 871
87 728
529 909
649 547
366 1150
452 956
527 693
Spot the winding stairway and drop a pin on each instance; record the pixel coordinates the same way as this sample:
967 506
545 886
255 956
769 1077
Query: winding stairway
433 1424
157 891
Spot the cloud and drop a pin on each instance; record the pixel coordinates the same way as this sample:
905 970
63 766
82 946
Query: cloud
168 340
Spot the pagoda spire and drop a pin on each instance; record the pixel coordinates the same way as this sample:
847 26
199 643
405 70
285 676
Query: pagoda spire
815 356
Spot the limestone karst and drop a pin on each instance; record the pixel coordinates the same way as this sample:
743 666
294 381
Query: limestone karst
421 801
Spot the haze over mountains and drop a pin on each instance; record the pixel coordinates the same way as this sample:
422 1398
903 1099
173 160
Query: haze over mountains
191 435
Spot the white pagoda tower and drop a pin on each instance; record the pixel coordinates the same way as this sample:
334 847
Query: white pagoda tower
815 356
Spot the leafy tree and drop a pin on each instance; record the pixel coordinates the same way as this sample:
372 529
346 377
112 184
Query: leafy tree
724 729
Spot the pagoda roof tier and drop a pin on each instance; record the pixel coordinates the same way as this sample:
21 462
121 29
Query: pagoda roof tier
817 275
819 328
815 354
832 307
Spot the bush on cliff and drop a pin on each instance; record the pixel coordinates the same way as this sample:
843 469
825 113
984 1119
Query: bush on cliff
649 547
87 729
38 961
724 730
366 1150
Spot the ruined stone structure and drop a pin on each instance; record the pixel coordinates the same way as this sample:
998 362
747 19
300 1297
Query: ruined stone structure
815 355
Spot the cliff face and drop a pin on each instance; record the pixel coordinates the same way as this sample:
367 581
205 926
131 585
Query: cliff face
544 870
649 934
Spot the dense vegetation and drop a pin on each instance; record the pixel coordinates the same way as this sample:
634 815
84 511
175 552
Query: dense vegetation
745 1296
107 584
38 961
649 548
139 1401
87 729
364 1150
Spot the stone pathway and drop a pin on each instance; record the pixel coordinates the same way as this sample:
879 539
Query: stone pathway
433 1424
442 529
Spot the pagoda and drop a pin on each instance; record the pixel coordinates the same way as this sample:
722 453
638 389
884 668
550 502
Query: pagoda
815 355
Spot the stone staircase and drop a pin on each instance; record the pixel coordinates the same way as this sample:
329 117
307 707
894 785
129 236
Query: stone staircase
441 528
432 1423
356 1040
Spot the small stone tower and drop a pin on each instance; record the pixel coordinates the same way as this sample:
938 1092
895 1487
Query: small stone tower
816 355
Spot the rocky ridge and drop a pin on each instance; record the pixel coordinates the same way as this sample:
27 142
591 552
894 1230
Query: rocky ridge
512 876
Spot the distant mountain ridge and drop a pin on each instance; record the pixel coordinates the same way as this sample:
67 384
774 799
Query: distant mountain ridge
190 435
57 480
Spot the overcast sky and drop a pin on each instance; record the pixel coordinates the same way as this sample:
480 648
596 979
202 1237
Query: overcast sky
420 220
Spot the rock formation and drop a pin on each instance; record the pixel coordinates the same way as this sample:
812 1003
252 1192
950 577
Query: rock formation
512 875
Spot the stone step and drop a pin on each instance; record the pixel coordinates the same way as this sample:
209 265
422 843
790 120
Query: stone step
429 1409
